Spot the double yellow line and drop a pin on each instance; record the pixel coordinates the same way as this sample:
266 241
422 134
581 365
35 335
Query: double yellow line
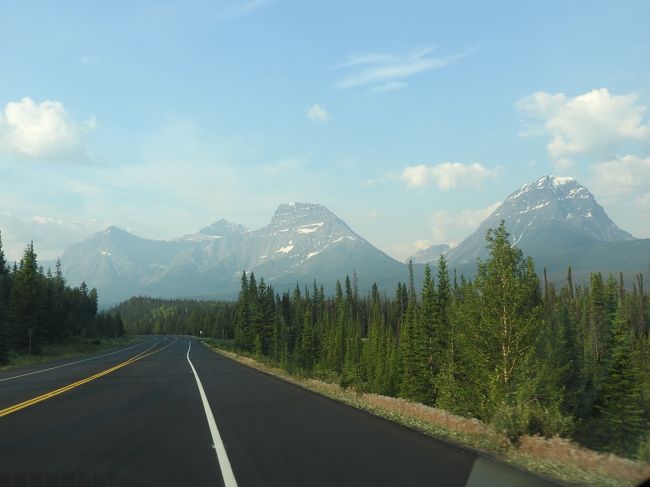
48 395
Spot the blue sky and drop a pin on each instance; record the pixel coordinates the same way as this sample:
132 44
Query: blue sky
409 120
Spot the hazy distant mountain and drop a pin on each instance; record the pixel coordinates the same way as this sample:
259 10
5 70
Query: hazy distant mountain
556 220
302 242
431 253
551 215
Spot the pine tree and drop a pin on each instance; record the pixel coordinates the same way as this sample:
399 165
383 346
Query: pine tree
597 322
307 350
4 316
257 347
351 373
416 378
620 419
3 262
27 311
500 315
264 317
372 347
430 324
243 316
443 302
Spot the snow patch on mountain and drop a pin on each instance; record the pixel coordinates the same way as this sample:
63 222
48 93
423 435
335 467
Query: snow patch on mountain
287 249
558 181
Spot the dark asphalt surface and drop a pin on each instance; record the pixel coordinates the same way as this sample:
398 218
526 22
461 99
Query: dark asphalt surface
145 424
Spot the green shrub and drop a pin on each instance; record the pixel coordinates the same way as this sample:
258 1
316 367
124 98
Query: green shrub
517 420
644 449
512 421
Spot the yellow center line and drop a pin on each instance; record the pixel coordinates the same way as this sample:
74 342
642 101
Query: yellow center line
48 395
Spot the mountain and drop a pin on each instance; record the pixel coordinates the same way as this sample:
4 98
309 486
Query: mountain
559 223
550 215
303 241
555 220
431 253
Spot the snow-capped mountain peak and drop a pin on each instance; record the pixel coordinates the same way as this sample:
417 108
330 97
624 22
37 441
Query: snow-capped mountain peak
296 215
553 210
300 231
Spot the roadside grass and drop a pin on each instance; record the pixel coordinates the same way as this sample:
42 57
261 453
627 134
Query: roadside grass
556 458
72 349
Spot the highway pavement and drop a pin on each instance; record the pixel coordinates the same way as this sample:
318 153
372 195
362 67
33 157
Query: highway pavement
170 412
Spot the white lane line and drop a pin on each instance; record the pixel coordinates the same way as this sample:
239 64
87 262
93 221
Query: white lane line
222 456
72 363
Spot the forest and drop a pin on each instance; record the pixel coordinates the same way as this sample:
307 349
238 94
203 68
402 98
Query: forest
37 308
507 347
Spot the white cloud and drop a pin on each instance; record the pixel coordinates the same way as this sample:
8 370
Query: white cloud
385 72
596 123
40 129
317 113
622 176
447 175
455 226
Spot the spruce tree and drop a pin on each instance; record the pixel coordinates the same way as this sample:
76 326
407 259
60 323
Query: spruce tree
620 418
307 351
430 324
372 347
500 315
264 316
4 295
26 305
415 376
243 315
443 303
4 269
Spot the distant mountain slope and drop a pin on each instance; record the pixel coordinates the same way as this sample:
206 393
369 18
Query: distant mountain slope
303 242
431 253
550 215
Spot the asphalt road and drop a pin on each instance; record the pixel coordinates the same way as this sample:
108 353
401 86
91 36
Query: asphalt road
145 423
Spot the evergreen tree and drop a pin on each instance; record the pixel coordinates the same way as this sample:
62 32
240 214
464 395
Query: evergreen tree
27 312
443 303
4 317
430 323
265 314
243 316
351 373
307 351
373 347
416 378
4 269
500 316
620 418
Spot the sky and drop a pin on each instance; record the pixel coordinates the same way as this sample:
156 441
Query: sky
411 121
